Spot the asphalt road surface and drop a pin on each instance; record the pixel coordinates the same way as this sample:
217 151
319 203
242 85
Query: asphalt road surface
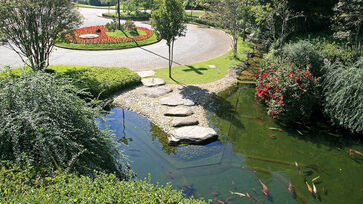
199 44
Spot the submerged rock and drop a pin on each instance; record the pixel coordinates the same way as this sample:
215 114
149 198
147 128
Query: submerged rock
178 122
192 135
152 82
179 111
156 91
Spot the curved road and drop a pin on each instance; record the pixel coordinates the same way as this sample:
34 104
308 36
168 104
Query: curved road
198 45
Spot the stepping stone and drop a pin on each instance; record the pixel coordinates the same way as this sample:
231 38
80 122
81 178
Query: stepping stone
152 82
179 111
176 99
212 66
192 135
156 92
144 74
178 122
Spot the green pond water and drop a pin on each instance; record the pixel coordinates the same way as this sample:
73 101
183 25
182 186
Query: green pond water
249 149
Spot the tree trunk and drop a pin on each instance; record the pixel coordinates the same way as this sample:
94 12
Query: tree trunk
169 61
118 15
235 40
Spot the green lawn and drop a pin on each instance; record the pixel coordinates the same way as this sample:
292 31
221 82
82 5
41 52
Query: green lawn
200 73
149 40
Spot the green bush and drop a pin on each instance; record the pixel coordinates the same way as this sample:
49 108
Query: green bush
45 124
289 93
343 94
129 16
22 186
94 2
304 54
336 52
101 82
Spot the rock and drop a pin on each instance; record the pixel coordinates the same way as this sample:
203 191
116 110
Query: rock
178 122
144 74
179 111
192 135
156 91
212 66
152 82
176 99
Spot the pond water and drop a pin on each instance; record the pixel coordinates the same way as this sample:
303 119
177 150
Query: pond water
252 147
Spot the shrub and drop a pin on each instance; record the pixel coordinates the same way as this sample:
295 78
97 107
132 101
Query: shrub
343 94
336 52
45 124
94 2
21 186
289 93
99 81
303 54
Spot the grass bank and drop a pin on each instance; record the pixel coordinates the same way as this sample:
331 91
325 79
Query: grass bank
200 73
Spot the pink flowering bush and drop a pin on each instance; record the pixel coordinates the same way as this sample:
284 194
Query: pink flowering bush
289 92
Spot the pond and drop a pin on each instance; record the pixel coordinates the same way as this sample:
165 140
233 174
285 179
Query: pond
252 148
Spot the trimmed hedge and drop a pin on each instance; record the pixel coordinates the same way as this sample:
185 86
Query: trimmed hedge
25 186
139 16
101 82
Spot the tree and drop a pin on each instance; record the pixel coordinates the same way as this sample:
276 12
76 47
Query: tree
347 21
44 123
193 4
168 20
232 15
31 27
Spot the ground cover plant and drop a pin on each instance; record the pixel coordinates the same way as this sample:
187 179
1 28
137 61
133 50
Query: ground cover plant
108 39
23 186
45 124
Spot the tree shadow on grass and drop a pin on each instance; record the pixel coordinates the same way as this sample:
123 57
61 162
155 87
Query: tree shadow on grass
196 70
212 102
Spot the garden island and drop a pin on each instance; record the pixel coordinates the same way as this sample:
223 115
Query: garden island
181 101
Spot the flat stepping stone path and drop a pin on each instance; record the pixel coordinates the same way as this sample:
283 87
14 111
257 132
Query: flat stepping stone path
179 111
192 135
144 74
175 100
156 92
152 82
178 122
212 66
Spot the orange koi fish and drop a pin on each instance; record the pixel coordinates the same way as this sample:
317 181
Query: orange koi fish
248 195
229 198
265 189
239 194
291 188
309 187
233 182
219 201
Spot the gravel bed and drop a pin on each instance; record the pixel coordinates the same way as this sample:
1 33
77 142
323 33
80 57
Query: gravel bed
154 111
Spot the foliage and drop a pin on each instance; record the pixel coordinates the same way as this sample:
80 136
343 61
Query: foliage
289 93
22 186
343 94
129 16
168 21
46 125
233 15
347 20
303 54
94 2
31 28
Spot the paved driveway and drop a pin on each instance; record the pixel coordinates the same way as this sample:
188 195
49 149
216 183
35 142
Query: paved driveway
198 45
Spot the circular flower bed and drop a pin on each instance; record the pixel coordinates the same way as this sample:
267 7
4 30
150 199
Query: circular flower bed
103 38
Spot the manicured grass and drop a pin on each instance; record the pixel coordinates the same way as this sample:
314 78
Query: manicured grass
200 73
149 40
119 33
99 81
